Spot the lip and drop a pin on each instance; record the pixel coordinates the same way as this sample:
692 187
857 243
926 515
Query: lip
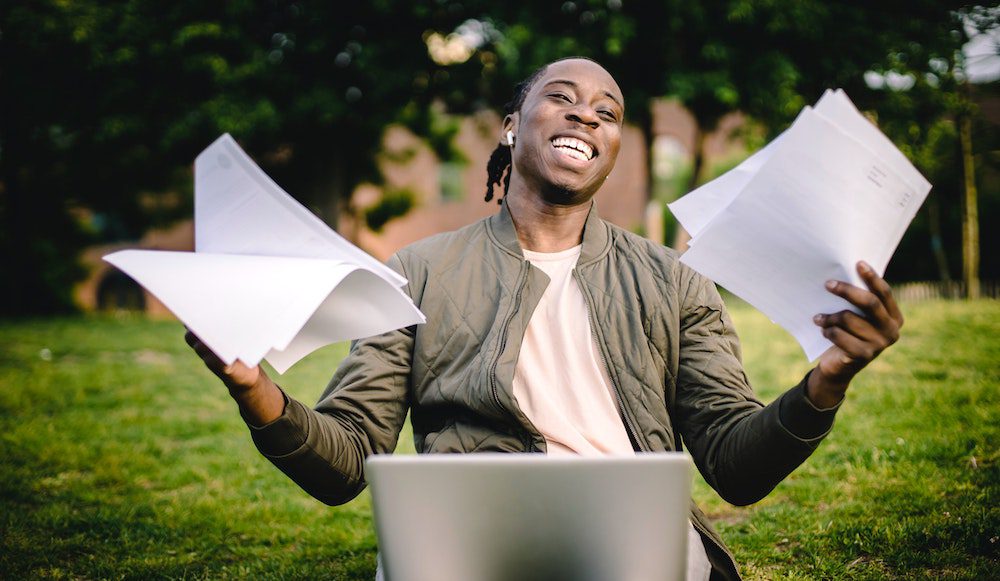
581 137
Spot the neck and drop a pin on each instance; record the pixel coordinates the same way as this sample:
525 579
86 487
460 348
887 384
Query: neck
545 227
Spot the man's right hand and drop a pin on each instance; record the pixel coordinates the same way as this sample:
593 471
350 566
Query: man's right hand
259 398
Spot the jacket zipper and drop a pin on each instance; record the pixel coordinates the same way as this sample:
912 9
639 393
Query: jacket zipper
601 347
515 305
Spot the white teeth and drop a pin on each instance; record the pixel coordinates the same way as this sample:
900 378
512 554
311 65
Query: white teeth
574 148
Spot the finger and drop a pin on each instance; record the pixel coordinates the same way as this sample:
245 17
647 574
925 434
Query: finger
859 352
867 301
211 360
207 356
880 330
193 341
882 290
854 324
228 373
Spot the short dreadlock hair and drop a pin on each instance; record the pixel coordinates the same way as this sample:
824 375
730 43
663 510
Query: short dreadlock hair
498 168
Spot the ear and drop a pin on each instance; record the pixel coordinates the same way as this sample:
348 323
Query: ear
510 123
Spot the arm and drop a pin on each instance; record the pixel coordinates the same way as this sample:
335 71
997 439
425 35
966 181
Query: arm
743 448
361 412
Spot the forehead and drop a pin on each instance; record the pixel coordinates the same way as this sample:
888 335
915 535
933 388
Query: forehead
584 73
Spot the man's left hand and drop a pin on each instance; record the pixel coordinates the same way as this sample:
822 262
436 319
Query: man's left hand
857 339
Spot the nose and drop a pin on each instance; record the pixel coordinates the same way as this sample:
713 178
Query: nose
585 115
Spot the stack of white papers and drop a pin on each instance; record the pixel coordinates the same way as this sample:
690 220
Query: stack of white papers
828 192
268 279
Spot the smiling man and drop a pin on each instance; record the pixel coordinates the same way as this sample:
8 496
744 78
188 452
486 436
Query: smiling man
549 330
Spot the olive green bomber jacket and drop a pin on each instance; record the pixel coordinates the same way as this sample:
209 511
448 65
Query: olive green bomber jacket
663 332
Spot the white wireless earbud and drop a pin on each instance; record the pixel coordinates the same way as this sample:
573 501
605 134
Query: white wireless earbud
510 138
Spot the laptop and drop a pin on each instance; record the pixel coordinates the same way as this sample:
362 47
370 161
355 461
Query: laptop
506 517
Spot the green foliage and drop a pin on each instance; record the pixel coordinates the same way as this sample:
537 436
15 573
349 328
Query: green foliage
124 457
393 204
768 60
922 121
105 104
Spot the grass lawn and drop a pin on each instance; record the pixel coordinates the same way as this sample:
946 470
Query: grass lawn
123 457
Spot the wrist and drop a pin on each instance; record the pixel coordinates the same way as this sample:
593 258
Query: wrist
823 391
240 390
261 403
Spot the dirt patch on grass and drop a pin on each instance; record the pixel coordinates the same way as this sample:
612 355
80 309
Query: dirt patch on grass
728 517
150 357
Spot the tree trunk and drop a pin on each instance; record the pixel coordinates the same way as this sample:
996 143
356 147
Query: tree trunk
970 211
333 192
937 246
646 126
653 218
697 165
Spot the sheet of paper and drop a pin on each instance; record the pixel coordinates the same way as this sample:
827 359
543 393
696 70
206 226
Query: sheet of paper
310 287
697 209
240 210
837 107
828 194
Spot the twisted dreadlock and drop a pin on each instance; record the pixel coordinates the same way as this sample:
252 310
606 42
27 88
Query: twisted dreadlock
498 167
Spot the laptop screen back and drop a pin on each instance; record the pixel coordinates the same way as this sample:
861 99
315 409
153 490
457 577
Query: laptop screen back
501 517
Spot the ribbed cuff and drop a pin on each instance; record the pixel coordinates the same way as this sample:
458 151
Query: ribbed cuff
284 435
801 417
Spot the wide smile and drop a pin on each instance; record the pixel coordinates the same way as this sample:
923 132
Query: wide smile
574 148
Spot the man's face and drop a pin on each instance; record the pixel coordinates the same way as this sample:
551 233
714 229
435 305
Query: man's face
568 131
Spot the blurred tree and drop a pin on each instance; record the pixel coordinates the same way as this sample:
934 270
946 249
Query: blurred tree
924 102
103 102
907 71
105 105
766 59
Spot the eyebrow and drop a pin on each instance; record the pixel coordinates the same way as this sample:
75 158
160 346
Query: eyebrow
575 85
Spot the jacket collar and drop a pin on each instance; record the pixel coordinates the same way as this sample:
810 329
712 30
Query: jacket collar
596 235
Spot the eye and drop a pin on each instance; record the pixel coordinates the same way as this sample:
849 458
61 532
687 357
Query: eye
609 115
561 96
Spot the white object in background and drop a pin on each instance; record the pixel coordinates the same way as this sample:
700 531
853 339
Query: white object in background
828 192
268 279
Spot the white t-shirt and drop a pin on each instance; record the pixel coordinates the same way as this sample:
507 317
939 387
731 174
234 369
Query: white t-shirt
561 382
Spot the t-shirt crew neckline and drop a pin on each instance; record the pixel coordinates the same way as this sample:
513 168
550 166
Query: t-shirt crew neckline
531 255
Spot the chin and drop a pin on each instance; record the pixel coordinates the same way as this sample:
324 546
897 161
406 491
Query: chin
566 194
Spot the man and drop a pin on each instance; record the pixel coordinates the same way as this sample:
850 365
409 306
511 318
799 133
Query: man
549 330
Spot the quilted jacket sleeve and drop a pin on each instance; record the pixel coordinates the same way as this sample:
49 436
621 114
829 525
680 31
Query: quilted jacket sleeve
361 412
742 447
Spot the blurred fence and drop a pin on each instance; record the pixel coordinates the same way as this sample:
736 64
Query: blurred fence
922 291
